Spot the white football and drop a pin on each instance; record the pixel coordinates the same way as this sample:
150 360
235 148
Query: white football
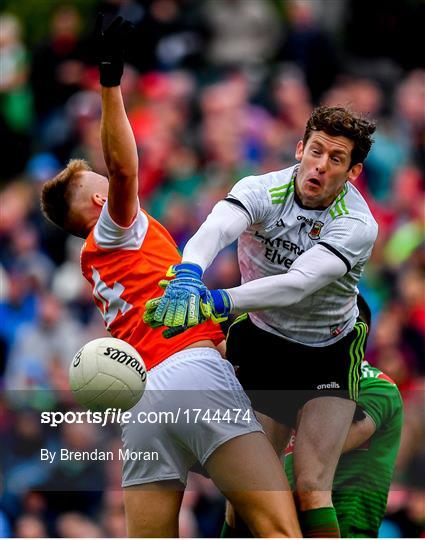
107 372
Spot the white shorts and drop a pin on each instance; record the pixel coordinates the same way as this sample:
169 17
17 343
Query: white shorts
192 404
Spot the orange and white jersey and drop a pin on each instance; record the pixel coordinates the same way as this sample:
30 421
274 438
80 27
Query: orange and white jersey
123 266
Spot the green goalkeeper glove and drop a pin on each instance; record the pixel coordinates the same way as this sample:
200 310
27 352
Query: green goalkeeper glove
174 309
180 306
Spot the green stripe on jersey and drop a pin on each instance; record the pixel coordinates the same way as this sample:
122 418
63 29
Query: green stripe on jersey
283 187
279 199
339 207
356 358
280 194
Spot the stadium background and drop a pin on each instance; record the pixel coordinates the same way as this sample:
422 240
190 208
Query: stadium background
214 90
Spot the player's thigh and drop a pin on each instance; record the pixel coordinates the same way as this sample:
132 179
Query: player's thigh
152 510
247 470
277 433
323 426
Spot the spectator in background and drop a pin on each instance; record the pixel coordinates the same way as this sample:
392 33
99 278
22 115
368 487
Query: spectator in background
76 525
171 35
51 339
28 526
243 34
17 308
15 96
57 65
292 107
309 46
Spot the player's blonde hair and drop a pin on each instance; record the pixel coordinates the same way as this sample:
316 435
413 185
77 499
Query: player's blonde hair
57 193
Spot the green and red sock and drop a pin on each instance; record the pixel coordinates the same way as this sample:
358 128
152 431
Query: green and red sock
319 523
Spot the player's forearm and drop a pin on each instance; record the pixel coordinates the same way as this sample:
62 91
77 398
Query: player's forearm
119 146
268 293
359 433
313 270
222 227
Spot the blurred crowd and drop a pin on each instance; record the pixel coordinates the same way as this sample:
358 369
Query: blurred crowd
215 90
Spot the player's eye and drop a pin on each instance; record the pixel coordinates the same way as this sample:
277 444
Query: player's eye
315 152
336 160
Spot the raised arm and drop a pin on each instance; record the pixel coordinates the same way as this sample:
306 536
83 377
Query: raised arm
119 146
120 152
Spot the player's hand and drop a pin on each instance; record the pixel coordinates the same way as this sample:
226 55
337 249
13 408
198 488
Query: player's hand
148 316
110 47
180 306
215 306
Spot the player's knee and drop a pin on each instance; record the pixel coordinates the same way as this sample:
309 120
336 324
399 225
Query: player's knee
313 491
312 481
269 528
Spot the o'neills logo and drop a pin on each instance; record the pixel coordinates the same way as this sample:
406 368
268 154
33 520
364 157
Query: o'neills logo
77 357
314 233
124 358
332 384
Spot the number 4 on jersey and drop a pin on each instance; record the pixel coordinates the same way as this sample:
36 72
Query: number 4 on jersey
110 298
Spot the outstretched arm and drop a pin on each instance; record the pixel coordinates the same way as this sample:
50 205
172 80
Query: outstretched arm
120 152
314 269
222 227
119 146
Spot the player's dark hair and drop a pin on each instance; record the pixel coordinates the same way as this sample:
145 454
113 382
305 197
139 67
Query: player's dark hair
336 121
57 194
364 310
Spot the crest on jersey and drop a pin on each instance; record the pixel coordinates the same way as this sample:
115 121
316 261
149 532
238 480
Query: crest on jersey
314 233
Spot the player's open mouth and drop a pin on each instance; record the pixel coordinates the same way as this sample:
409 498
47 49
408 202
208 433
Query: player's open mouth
314 181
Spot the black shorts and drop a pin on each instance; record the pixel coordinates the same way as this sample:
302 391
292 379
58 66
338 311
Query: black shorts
280 376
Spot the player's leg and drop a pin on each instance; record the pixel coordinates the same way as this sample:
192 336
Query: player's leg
249 473
333 378
323 428
278 435
152 510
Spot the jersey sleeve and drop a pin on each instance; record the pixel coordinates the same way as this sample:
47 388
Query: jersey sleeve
350 238
251 194
110 235
381 401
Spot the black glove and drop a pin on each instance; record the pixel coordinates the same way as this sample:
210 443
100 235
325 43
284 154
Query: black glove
110 46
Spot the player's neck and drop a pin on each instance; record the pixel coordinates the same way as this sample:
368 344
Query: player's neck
306 204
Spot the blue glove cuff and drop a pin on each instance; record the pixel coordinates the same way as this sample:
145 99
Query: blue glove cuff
222 301
188 269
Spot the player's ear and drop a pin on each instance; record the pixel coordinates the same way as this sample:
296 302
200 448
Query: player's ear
299 150
98 199
355 172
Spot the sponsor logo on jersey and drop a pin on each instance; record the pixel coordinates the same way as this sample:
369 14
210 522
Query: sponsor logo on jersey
314 233
280 223
308 221
332 384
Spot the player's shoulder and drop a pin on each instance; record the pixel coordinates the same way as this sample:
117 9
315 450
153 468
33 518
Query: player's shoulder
351 204
272 181
374 380
108 234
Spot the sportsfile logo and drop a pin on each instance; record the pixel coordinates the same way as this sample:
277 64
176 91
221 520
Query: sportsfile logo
332 384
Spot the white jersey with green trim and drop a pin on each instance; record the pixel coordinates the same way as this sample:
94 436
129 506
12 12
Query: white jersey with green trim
281 230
